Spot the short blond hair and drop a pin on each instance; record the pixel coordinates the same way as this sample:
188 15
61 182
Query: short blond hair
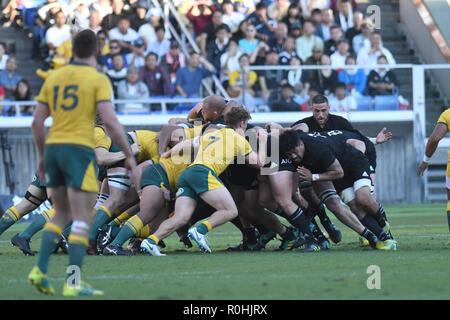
235 115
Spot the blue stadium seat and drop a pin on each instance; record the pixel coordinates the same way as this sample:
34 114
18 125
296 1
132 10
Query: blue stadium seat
386 103
364 103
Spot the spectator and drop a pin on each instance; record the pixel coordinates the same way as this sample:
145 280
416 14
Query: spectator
325 80
231 17
102 6
95 21
344 15
362 40
161 45
103 47
316 56
276 42
246 7
309 5
294 15
258 56
250 42
79 14
111 20
189 78
2 98
316 17
289 51
298 78
23 93
147 30
229 61
118 71
9 77
278 10
3 56
114 48
136 57
139 17
284 101
324 29
336 34
200 15
236 83
334 4
381 81
356 29
354 78
173 60
124 34
270 79
57 34
242 29
209 32
369 56
131 88
342 102
340 55
44 19
10 12
155 77
264 26
217 47
305 43
296 30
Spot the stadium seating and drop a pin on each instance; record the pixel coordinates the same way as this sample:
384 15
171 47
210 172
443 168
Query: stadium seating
364 103
383 103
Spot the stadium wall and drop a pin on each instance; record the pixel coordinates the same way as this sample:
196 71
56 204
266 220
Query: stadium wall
396 180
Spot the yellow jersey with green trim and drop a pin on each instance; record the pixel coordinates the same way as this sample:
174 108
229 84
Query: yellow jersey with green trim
219 148
102 140
71 94
444 118
148 145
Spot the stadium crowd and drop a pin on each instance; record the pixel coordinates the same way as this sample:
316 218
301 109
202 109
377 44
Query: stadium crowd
142 58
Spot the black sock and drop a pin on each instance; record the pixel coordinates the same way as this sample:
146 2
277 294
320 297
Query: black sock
261 229
381 210
380 218
300 221
238 224
370 223
250 235
281 213
321 213
369 236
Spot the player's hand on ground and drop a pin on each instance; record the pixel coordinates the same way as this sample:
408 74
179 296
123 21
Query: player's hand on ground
383 136
304 173
422 167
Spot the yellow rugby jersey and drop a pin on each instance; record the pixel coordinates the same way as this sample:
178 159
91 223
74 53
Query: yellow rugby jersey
219 148
444 118
149 145
71 94
102 140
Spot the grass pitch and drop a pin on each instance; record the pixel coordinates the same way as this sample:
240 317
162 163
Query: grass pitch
419 269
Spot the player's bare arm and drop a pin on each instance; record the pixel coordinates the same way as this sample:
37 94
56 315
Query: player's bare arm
440 130
334 172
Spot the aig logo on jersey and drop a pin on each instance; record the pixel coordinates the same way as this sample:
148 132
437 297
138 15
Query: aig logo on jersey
286 161
179 192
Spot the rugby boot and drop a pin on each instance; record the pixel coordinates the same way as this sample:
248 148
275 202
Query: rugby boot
333 232
149 247
104 237
83 289
40 281
200 239
115 250
23 244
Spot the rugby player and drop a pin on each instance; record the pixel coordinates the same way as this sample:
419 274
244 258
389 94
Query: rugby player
200 180
439 132
71 95
320 159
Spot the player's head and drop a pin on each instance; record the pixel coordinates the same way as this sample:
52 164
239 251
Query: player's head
84 44
320 108
237 118
213 107
291 145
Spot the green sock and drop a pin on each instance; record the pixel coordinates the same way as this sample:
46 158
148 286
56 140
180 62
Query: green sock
115 231
125 233
7 220
100 219
203 228
77 251
448 219
50 238
34 227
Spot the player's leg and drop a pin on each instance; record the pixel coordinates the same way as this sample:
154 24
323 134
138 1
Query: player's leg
447 184
50 237
152 202
34 197
328 195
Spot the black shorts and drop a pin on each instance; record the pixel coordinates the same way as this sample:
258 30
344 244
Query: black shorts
243 175
371 155
356 167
